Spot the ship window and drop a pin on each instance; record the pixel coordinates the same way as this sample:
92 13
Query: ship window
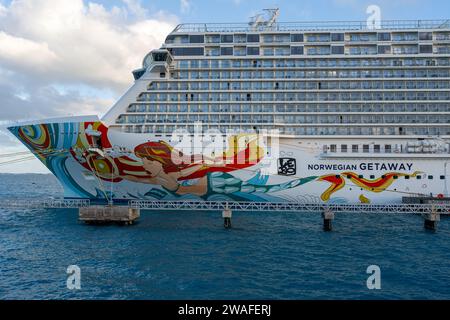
297 37
355 148
197 39
419 177
333 148
226 38
384 49
212 51
337 37
361 176
344 148
372 177
442 177
212 38
159 56
395 177
253 51
194 51
240 38
296 50
228 51
407 177
425 36
376 148
170 39
240 51
384 36
388 148
426 49
253 38
430 177
366 148
337 50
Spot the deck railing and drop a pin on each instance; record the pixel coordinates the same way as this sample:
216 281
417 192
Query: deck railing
312 26
441 207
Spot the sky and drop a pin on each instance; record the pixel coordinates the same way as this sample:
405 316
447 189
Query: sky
75 57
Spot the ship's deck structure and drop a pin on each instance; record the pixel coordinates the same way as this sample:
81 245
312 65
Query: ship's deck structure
304 79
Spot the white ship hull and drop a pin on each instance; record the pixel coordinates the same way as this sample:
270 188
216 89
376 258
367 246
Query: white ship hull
136 166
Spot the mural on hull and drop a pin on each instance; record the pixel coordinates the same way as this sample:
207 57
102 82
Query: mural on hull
376 185
167 173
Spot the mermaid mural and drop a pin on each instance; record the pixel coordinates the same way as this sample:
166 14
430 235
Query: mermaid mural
157 170
205 177
158 164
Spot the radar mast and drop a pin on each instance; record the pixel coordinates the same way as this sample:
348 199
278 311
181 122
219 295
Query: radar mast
267 20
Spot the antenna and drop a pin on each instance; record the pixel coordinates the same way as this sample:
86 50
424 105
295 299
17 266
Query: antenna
266 20
273 16
256 21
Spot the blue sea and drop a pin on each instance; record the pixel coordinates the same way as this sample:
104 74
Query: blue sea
189 255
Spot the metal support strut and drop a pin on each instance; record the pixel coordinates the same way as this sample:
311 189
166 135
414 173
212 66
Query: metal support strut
328 217
431 219
226 215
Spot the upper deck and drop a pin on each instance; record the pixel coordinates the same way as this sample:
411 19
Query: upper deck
312 26
305 79
310 38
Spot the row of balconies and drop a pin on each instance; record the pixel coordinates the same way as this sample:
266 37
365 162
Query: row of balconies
245 109
304 96
195 87
307 38
420 119
310 63
291 130
301 74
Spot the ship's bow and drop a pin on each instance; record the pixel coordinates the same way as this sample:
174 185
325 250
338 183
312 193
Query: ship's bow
51 142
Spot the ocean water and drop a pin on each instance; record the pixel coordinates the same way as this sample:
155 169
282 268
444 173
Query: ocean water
189 255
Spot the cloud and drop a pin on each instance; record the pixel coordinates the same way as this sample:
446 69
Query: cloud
185 6
62 57
28 101
135 7
17 51
78 41
49 43
2 10
23 99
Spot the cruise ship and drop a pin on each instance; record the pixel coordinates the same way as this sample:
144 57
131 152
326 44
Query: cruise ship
311 112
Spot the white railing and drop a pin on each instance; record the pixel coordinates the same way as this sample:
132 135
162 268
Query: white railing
440 207
44 203
312 26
